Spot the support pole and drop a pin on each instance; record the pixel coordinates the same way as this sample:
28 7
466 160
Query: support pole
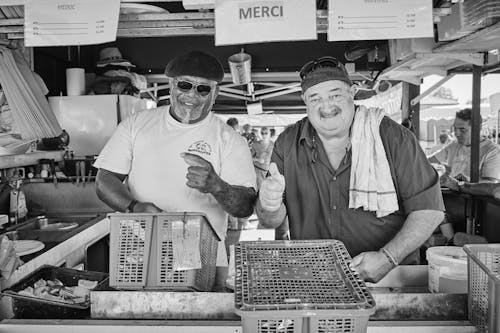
409 111
475 123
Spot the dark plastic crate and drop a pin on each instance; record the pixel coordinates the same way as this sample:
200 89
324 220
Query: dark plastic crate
25 307
299 286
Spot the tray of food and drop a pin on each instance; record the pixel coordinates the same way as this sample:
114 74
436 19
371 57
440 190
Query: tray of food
55 292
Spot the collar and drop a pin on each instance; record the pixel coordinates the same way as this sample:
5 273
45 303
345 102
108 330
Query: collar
170 119
307 132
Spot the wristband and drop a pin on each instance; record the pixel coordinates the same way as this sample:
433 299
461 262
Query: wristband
389 256
130 207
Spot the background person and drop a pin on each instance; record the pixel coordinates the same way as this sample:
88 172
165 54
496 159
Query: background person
180 158
444 140
311 177
233 122
261 153
456 155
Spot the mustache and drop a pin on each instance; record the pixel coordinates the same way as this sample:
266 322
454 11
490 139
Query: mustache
334 109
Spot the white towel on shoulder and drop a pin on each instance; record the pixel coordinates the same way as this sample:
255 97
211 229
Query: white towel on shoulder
371 185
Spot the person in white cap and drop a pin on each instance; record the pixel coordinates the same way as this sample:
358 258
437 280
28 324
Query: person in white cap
180 158
352 174
112 65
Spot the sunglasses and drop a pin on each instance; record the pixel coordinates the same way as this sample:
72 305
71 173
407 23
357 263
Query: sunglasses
311 66
202 89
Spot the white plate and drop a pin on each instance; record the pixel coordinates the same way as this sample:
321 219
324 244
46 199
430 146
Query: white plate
24 247
139 8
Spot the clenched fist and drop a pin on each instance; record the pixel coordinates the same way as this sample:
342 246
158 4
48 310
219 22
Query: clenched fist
271 190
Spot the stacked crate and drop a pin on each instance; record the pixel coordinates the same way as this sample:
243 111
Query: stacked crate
299 286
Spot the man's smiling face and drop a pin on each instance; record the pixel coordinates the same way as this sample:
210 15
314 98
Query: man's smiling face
330 107
191 98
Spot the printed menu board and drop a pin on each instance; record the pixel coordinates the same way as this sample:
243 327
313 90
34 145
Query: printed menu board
379 19
75 22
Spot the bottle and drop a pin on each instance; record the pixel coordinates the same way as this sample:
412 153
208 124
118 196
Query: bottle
18 209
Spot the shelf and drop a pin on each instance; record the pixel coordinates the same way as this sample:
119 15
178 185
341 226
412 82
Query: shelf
419 65
19 160
482 40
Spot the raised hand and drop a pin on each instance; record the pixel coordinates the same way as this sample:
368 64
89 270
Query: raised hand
271 190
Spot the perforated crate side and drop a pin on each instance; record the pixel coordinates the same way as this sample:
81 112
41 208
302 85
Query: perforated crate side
339 324
166 275
272 325
130 243
484 286
200 279
205 277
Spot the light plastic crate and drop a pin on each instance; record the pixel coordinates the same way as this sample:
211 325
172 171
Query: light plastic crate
299 286
484 286
141 252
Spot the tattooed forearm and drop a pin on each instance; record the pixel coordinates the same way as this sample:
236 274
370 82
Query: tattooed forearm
236 200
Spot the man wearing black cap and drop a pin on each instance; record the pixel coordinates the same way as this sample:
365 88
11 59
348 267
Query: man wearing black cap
180 157
350 173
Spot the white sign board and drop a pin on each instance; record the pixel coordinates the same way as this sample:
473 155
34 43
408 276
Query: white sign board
198 4
244 21
379 19
70 22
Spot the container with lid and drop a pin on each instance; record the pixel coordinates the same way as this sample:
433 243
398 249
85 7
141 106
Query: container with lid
447 269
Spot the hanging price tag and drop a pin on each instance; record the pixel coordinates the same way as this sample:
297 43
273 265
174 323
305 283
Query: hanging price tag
185 243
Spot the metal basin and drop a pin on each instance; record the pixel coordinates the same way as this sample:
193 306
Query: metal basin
53 229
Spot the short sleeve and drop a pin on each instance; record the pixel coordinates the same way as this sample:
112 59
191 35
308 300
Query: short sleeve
237 164
277 156
116 156
417 183
491 164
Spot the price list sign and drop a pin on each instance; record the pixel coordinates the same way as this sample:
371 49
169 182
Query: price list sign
77 22
379 19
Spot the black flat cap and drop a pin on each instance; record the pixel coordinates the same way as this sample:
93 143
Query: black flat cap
196 63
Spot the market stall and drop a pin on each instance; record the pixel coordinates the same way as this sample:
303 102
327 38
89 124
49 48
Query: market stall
144 291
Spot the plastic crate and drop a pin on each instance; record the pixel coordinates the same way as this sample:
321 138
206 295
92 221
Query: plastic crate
25 307
484 286
141 252
299 286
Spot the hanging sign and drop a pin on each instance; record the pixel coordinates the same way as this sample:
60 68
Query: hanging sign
379 19
198 4
244 21
70 22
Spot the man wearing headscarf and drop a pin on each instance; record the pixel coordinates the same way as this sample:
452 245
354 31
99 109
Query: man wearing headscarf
180 158
351 173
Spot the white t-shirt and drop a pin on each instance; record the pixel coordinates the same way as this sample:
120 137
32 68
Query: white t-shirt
147 147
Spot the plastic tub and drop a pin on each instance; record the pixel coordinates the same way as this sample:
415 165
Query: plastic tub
447 269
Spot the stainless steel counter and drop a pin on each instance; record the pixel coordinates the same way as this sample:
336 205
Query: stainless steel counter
164 326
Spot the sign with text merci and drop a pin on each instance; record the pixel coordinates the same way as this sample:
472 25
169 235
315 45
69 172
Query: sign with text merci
70 22
379 19
243 21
